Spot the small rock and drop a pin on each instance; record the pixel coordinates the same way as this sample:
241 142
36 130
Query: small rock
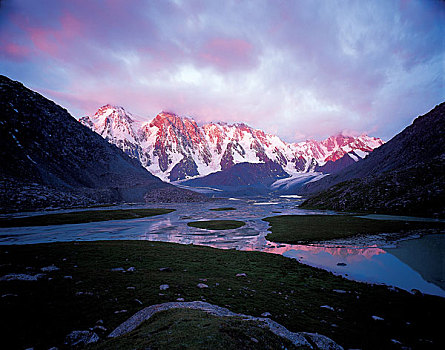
21 277
339 291
327 307
9 295
50 268
216 284
166 269
99 322
118 269
131 288
99 327
241 275
81 338
395 341
120 311
68 277
266 314
180 299
138 301
377 318
203 279
416 292
202 285
164 287
254 340
131 269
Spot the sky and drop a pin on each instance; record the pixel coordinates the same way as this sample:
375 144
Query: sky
298 69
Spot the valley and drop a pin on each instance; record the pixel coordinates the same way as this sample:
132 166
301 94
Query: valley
167 215
228 175
360 249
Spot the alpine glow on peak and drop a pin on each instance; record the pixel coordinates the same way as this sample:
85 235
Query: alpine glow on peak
175 148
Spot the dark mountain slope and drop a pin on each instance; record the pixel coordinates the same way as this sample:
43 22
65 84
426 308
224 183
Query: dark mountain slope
404 176
48 158
420 142
242 178
334 167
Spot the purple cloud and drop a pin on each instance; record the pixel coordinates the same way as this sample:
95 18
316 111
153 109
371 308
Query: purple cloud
299 69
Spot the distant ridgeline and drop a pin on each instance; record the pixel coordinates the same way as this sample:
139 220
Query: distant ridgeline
48 159
404 176
176 148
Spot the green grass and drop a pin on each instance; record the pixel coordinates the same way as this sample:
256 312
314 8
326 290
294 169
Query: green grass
217 224
79 217
40 314
195 329
313 228
223 209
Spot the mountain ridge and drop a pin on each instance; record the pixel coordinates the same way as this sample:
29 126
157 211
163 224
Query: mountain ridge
48 158
404 176
176 148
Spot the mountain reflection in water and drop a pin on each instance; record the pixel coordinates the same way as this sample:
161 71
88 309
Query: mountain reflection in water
413 264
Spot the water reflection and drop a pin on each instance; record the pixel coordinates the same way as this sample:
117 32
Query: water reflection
405 266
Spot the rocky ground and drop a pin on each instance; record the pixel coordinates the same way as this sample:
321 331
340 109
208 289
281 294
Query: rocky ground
30 196
53 294
416 191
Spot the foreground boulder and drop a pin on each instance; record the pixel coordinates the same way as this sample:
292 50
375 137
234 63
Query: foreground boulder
299 339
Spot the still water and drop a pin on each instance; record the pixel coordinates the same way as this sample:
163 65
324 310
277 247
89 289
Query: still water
411 264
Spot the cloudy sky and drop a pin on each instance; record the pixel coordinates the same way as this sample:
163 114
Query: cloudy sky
300 69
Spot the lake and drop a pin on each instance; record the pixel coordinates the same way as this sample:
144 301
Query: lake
417 263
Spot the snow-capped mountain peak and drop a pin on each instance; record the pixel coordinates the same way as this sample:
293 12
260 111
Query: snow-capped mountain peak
173 147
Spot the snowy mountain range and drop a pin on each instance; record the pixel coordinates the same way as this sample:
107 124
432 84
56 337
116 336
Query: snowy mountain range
175 148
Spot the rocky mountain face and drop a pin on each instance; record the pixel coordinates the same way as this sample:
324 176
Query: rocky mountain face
49 159
241 179
404 176
175 148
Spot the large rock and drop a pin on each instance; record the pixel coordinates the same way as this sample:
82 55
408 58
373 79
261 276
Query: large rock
78 339
300 339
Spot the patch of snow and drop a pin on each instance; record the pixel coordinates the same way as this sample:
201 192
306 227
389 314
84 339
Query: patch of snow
377 318
353 156
360 153
317 178
27 156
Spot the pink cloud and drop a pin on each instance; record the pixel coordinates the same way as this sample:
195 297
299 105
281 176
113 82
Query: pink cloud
225 53
274 65
15 51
